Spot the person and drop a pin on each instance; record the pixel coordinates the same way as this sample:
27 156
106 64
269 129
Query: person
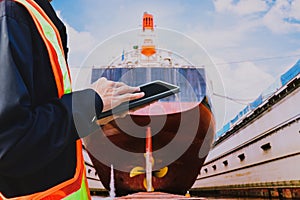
40 125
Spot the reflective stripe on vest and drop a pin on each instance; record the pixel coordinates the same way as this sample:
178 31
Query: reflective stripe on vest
51 38
73 189
76 187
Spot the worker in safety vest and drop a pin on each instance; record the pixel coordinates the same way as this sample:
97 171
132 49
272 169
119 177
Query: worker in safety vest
40 146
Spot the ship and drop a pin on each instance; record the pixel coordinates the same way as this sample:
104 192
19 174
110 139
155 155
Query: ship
257 154
162 146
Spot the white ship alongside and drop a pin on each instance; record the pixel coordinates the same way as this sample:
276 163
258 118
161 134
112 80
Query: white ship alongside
94 182
258 152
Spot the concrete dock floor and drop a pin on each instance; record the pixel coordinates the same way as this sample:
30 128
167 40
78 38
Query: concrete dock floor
156 195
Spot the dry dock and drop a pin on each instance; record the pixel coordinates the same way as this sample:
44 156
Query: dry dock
256 154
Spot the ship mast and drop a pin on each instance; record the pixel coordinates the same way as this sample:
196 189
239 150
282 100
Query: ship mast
148 46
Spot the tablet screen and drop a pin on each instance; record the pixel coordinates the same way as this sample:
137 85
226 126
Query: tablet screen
154 91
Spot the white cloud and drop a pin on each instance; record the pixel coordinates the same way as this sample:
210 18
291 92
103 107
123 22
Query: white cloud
243 7
80 43
245 79
280 17
224 37
295 9
243 82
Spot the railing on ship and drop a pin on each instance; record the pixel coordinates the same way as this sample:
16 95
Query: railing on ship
135 70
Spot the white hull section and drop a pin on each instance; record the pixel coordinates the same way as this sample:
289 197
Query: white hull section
278 166
264 153
94 182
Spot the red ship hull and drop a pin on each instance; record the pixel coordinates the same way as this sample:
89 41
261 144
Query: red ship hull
179 147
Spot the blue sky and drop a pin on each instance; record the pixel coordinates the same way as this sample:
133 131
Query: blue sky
251 41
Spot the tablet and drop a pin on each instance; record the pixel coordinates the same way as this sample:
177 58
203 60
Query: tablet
154 91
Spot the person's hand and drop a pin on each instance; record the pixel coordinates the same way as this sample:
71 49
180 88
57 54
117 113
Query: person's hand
114 93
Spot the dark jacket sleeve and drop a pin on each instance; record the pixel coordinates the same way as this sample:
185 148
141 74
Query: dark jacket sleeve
28 131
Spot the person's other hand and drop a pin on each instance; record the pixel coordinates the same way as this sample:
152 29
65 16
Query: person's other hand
114 93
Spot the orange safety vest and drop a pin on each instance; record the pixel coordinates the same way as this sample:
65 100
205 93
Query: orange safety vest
76 187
